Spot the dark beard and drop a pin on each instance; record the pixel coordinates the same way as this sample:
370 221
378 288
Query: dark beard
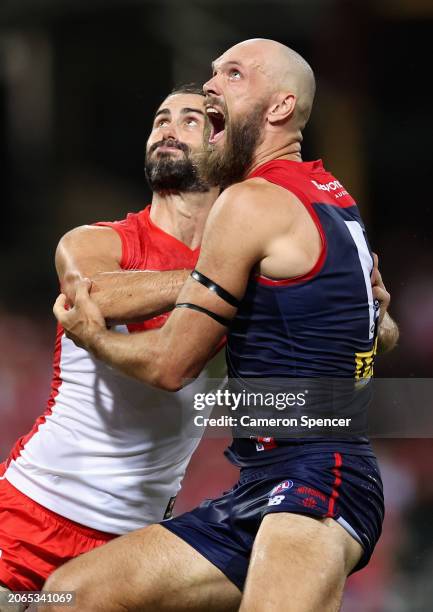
168 174
230 165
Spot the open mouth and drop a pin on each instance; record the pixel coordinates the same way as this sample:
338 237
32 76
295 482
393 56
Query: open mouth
217 123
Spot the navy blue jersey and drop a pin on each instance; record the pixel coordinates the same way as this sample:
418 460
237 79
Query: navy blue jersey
321 324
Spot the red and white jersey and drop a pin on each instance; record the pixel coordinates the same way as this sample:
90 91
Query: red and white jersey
110 452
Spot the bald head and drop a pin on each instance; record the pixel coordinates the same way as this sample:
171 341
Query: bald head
284 69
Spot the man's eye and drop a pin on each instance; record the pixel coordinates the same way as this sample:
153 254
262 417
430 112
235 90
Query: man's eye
235 74
162 123
191 122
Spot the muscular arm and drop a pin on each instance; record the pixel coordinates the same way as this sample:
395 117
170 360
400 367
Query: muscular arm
128 296
122 296
240 233
235 239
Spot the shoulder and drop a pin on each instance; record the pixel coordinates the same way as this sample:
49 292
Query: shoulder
109 231
89 234
255 199
251 190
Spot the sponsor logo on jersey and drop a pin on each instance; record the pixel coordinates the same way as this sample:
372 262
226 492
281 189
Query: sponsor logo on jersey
283 486
337 189
332 186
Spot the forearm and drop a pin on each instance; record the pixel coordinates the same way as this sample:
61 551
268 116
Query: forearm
139 355
128 296
158 357
388 334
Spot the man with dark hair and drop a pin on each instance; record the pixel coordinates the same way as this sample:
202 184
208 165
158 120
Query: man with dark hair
285 267
108 455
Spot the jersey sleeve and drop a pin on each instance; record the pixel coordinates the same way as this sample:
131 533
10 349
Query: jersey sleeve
128 230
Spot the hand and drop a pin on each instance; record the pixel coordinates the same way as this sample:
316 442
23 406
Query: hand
379 291
83 322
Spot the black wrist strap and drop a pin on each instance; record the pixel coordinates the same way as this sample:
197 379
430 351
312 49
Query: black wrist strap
209 284
209 313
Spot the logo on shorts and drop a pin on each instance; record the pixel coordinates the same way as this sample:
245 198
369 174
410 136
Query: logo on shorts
310 492
309 502
283 486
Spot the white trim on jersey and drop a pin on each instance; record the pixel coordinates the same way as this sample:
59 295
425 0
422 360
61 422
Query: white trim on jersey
366 262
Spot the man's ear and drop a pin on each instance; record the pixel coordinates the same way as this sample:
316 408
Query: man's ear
283 108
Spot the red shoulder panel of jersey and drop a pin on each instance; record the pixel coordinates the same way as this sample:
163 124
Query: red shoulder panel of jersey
145 246
129 232
310 178
295 177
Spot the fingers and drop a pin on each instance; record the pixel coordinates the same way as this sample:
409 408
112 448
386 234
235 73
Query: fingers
59 308
381 294
376 276
63 314
378 279
83 290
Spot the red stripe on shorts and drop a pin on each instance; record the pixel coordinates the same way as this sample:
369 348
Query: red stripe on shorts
338 462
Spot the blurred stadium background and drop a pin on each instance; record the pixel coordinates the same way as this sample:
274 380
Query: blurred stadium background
79 81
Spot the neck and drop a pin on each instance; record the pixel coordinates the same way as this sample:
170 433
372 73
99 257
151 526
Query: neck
273 147
183 215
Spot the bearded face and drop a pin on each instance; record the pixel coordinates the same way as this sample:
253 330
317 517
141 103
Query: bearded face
229 163
164 172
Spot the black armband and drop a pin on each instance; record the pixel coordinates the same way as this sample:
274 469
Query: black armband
209 313
209 284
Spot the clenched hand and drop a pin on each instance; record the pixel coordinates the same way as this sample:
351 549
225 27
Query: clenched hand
82 322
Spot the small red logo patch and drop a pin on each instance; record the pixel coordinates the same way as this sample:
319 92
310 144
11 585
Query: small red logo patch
309 502
311 492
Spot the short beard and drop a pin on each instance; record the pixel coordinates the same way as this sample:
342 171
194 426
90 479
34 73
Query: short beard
231 164
168 174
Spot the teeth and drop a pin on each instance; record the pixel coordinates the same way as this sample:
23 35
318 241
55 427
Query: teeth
214 111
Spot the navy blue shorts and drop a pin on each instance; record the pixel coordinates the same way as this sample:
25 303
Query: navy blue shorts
345 487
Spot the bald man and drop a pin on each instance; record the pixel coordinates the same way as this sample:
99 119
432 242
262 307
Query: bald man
284 271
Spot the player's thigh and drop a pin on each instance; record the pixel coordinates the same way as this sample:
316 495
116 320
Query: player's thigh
299 564
150 569
6 599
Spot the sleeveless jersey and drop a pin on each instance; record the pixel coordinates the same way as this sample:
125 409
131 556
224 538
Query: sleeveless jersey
318 325
110 452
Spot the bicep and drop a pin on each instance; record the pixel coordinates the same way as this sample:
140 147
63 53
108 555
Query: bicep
231 247
85 252
234 242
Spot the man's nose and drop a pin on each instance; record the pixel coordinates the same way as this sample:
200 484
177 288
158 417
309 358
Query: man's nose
211 87
169 131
